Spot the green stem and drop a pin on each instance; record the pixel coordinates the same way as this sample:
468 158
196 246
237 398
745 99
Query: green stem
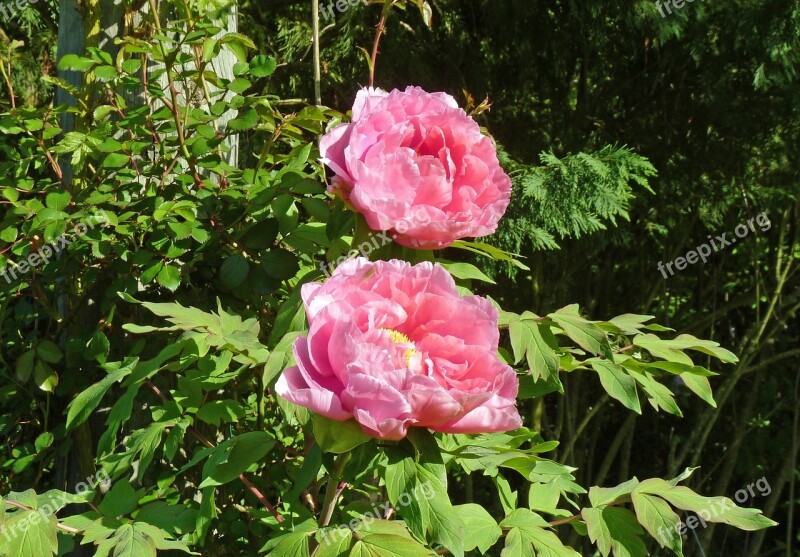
332 489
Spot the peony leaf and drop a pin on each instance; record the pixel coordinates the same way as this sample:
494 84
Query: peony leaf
338 437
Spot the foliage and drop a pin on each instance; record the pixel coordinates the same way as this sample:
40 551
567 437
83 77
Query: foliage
146 345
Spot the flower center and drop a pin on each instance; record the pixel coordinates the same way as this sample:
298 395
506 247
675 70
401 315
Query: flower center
399 338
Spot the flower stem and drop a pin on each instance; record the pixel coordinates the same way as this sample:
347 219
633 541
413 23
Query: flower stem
332 490
381 28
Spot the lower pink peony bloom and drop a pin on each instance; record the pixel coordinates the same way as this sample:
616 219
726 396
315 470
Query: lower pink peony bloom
394 346
416 164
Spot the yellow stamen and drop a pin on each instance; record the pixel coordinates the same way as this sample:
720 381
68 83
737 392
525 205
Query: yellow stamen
400 338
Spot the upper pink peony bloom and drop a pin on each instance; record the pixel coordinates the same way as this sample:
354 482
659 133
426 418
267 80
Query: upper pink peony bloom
414 163
395 346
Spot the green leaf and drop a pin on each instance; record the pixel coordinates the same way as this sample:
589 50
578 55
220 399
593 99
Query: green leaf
30 534
547 544
490 251
700 386
82 406
597 529
43 441
617 383
48 351
105 73
75 62
44 376
169 277
660 397
116 160
615 529
465 271
710 509
24 365
121 500
262 66
508 498
9 234
602 496
235 456
523 519
338 437
234 271
515 546
218 411
661 348
659 520
585 333
335 543
58 200
244 121
238 44
630 323
388 545
291 545
280 264
689 342
482 531
537 342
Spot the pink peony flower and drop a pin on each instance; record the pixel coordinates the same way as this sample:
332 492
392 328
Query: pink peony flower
394 346
414 163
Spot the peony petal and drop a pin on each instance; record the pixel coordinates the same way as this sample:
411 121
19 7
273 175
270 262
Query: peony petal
292 386
485 419
332 150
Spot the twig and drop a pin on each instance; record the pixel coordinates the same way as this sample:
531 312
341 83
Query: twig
378 33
